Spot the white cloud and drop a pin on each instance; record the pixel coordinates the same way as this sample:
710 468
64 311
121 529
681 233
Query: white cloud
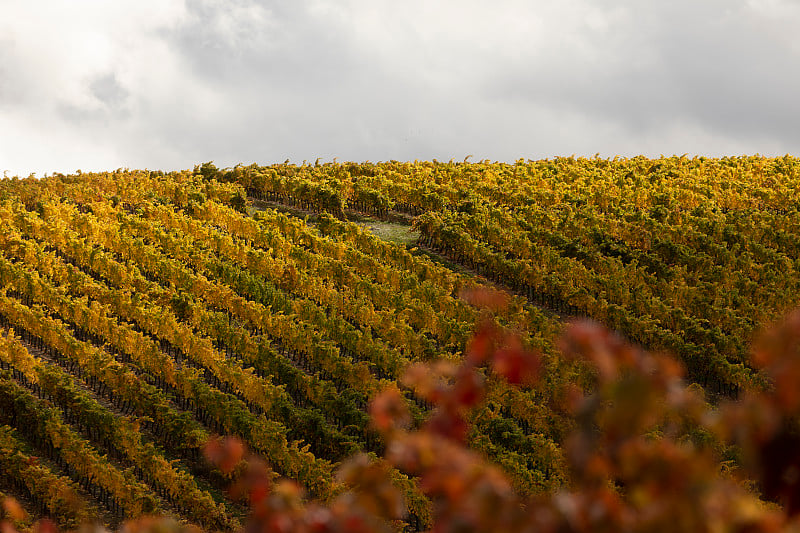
58 54
168 84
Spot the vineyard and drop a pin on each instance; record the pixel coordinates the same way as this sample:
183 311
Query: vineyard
142 313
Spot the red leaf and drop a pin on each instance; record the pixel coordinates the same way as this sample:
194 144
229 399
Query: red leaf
516 364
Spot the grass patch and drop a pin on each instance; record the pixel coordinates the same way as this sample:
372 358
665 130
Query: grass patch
389 231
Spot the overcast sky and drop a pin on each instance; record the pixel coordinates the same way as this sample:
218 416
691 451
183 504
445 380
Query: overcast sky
167 84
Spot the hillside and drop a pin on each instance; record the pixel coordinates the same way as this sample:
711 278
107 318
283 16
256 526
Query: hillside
143 312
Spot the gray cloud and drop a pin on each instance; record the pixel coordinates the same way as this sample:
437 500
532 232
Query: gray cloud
705 63
12 75
258 80
108 90
107 103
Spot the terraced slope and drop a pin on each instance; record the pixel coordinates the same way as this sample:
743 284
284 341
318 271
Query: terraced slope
142 313
687 255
